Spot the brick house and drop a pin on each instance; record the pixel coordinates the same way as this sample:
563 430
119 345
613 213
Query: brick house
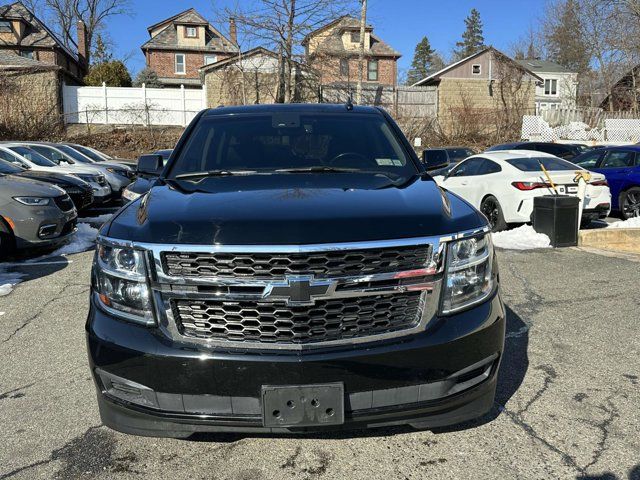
23 34
483 86
181 44
332 51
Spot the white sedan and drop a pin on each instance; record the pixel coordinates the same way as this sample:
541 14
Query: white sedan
503 184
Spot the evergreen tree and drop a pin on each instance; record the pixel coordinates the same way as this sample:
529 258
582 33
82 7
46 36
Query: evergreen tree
114 73
422 64
472 38
101 53
565 41
149 77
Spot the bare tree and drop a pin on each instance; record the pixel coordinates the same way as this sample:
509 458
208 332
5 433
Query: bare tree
281 25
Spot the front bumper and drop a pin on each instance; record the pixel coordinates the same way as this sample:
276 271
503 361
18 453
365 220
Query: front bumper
43 226
441 376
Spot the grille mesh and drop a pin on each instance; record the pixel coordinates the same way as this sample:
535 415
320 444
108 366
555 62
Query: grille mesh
321 264
327 320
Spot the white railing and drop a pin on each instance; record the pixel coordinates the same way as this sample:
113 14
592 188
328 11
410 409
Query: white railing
131 105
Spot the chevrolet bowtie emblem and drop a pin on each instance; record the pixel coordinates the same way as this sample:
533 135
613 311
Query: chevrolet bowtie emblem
298 290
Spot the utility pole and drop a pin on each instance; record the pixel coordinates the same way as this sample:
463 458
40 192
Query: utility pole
363 25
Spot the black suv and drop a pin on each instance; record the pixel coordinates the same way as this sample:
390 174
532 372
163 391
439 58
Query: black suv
567 151
293 268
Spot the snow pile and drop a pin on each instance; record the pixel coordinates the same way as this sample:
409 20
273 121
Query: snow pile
521 238
8 281
101 219
83 240
631 223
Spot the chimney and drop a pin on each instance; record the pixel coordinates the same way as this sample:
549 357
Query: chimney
233 31
83 50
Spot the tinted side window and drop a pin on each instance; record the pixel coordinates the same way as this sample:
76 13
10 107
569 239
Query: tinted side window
467 168
8 157
618 159
589 160
557 150
489 166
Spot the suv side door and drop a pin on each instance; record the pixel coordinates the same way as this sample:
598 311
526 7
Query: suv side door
617 166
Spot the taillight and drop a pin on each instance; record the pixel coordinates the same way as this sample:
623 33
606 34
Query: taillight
600 183
530 185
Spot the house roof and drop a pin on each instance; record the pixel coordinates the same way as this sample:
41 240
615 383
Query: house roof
167 38
544 66
11 60
41 35
436 75
236 58
333 43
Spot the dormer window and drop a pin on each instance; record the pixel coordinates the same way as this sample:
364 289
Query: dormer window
355 37
5 26
191 32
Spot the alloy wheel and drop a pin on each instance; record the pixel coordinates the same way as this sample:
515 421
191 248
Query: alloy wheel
631 207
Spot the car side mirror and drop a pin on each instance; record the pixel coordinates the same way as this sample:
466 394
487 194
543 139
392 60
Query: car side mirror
435 159
150 165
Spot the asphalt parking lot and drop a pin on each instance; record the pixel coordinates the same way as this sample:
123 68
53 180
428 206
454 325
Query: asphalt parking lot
567 404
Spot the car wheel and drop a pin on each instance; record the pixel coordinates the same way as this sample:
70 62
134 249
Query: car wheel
491 209
630 203
7 240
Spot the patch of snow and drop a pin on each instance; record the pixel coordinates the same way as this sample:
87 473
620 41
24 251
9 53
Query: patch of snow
631 223
521 238
101 219
83 240
8 281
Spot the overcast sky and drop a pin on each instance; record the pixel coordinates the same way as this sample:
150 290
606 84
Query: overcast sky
401 23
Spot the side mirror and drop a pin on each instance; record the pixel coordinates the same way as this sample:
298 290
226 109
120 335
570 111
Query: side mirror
435 159
150 165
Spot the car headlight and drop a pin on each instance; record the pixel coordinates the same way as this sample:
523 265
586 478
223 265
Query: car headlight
129 195
121 283
469 277
33 201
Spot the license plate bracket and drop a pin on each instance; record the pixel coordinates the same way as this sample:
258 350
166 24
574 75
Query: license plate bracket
302 405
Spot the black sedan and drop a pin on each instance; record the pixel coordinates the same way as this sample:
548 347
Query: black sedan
567 151
80 191
143 183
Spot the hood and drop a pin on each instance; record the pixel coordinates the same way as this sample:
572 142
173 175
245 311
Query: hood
13 185
76 169
52 176
291 209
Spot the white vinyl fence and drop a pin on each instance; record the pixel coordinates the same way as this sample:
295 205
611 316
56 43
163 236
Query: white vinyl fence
131 106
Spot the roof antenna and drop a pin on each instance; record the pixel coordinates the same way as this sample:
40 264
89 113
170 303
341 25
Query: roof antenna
349 104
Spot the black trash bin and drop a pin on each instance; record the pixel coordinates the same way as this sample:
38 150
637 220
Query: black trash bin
557 217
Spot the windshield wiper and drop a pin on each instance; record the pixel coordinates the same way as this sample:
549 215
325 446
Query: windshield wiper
213 173
320 169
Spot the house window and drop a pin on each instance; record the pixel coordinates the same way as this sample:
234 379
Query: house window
5 26
191 32
344 67
550 87
372 71
209 59
355 37
476 69
180 63
26 53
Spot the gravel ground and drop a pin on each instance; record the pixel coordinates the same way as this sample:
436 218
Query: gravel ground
567 405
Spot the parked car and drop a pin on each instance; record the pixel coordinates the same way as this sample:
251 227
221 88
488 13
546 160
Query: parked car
287 272
24 157
117 176
33 214
78 190
561 150
98 156
621 167
437 156
143 182
503 184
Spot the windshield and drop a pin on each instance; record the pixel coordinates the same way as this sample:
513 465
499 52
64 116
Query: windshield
77 156
88 153
266 143
33 156
532 164
7 169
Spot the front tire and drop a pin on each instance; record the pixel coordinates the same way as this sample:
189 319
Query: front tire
7 240
491 209
630 203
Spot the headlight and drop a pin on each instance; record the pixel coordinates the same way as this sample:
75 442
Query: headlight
129 195
121 283
33 201
469 275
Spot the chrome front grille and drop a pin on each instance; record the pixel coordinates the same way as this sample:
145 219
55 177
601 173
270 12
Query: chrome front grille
275 322
326 264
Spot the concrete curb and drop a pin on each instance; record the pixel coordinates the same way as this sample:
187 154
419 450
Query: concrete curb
617 239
